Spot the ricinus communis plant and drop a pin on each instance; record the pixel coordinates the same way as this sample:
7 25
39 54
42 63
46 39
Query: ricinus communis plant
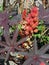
39 56
10 43
33 56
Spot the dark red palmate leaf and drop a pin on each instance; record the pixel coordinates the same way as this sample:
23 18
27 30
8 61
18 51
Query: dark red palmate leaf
9 45
44 14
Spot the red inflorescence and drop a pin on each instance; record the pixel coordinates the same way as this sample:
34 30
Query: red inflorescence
32 20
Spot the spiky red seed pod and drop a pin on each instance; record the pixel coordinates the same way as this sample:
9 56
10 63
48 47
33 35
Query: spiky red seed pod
36 23
31 19
34 26
35 19
26 32
34 9
34 14
24 14
28 20
31 24
30 29
35 30
29 15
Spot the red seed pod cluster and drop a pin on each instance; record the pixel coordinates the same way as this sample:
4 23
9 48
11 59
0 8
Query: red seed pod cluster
31 21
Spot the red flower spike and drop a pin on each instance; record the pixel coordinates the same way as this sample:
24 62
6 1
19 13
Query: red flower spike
24 14
42 63
32 21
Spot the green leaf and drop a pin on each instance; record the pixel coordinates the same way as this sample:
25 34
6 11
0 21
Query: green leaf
41 28
19 26
36 35
41 22
10 17
43 36
48 38
13 27
11 30
1 7
1 31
